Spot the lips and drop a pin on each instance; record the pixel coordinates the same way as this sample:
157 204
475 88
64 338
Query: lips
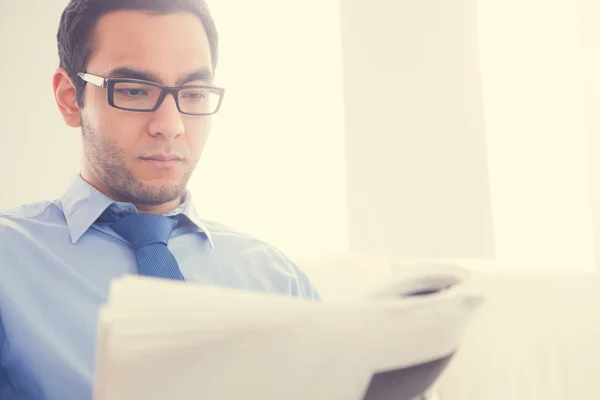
163 161
163 157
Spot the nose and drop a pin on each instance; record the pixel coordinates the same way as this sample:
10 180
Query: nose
166 120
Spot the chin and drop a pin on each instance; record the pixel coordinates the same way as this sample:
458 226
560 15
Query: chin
163 184
157 183
157 193
160 176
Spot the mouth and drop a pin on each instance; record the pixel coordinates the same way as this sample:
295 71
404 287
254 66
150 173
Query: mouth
163 160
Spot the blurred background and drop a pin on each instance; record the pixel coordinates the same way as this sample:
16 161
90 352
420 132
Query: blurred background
460 129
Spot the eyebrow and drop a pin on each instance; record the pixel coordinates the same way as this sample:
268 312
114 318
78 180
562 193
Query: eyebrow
202 74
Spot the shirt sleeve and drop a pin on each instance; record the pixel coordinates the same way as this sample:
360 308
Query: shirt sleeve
6 388
301 286
306 289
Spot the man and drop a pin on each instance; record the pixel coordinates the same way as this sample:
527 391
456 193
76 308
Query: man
137 77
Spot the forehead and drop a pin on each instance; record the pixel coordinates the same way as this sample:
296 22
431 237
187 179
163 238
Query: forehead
168 45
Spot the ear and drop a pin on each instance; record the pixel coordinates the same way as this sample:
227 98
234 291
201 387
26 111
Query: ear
66 99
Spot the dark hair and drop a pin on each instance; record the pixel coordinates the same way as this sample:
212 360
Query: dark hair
78 21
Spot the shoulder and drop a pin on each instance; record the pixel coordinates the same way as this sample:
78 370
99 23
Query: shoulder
22 230
262 255
31 210
227 237
25 217
220 230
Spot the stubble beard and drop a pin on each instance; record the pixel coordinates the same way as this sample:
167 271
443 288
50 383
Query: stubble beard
108 162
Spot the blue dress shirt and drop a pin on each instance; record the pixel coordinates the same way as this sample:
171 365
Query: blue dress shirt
56 264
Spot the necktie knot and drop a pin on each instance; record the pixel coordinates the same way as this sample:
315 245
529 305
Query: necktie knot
143 229
149 235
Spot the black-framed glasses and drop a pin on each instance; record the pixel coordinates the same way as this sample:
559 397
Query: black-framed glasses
145 96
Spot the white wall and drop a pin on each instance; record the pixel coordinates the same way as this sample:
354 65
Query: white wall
416 146
589 17
39 153
538 138
275 163
478 144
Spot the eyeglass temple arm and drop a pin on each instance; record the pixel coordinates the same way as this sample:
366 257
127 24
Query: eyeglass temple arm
96 80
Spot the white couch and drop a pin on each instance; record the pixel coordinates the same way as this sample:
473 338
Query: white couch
537 336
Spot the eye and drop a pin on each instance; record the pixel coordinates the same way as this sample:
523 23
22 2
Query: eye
194 95
132 92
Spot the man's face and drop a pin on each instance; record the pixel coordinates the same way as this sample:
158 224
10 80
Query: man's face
121 146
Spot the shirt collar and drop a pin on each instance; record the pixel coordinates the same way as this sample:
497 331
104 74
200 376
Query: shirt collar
82 205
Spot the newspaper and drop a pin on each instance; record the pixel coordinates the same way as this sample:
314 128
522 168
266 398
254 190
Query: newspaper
163 339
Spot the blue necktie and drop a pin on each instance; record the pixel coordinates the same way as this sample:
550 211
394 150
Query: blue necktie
149 235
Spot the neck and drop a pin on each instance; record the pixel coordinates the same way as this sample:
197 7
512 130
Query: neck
158 209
